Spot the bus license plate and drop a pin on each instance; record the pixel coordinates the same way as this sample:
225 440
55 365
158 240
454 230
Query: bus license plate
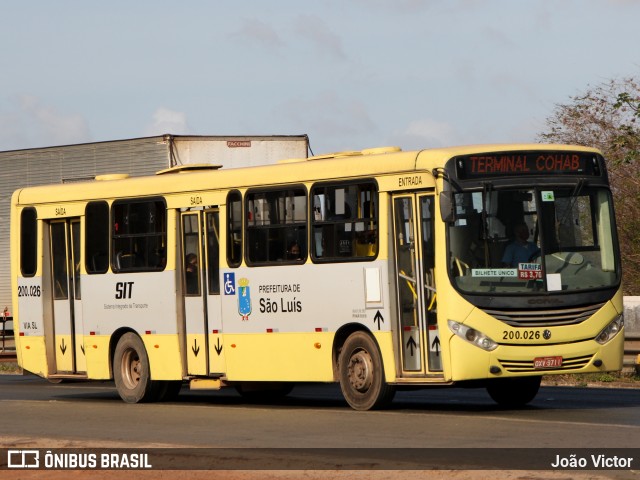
547 362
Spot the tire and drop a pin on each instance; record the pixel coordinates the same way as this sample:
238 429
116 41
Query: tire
362 375
514 392
131 371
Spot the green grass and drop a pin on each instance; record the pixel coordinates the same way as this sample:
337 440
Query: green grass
9 367
582 380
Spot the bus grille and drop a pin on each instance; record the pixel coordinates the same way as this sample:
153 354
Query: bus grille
527 365
545 318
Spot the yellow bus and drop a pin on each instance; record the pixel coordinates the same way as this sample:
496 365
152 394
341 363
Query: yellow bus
479 266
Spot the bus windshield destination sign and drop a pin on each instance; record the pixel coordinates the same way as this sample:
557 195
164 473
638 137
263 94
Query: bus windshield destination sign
526 163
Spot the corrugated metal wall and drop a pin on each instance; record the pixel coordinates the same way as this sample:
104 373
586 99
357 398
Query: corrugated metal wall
25 168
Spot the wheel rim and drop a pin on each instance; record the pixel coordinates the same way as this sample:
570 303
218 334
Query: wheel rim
130 368
360 370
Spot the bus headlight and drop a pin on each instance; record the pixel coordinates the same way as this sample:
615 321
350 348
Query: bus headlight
610 330
473 336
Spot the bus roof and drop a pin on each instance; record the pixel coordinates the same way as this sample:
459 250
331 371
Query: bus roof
342 165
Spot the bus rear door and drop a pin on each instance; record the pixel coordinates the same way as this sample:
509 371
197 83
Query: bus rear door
201 291
68 338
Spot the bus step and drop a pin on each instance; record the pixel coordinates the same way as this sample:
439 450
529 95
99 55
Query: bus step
205 384
58 377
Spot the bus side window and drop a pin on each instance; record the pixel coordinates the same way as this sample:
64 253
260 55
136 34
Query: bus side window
234 229
97 237
345 222
139 235
59 265
28 245
276 221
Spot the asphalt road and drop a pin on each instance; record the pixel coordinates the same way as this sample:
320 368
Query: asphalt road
36 413
317 416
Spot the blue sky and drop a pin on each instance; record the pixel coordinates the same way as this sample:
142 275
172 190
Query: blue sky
352 74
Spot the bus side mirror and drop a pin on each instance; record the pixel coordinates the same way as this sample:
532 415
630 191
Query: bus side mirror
447 207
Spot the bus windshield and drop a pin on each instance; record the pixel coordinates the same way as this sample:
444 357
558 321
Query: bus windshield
533 240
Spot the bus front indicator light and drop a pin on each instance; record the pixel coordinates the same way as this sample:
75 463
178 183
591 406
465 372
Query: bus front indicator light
472 336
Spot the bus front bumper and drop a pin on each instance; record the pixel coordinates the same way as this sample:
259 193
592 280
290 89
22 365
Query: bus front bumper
473 363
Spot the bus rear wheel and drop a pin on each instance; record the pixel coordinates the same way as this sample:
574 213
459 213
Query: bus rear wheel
514 392
131 371
361 374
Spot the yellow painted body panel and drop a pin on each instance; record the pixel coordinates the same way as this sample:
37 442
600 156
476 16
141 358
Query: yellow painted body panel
164 356
55 210
292 356
279 357
385 342
33 354
618 302
406 181
468 362
97 353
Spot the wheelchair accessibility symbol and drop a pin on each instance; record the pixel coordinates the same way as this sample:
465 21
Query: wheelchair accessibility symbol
229 283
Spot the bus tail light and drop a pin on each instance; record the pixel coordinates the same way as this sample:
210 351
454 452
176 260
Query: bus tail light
610 330
473 336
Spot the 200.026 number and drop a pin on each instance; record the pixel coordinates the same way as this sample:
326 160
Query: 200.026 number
29 291
521 335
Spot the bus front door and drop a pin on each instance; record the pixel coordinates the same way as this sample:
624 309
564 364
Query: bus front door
201 292
68 338
417 340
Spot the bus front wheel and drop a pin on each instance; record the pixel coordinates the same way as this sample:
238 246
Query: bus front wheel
514 392
361 374
131 370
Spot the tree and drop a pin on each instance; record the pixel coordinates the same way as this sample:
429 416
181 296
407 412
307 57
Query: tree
608 117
